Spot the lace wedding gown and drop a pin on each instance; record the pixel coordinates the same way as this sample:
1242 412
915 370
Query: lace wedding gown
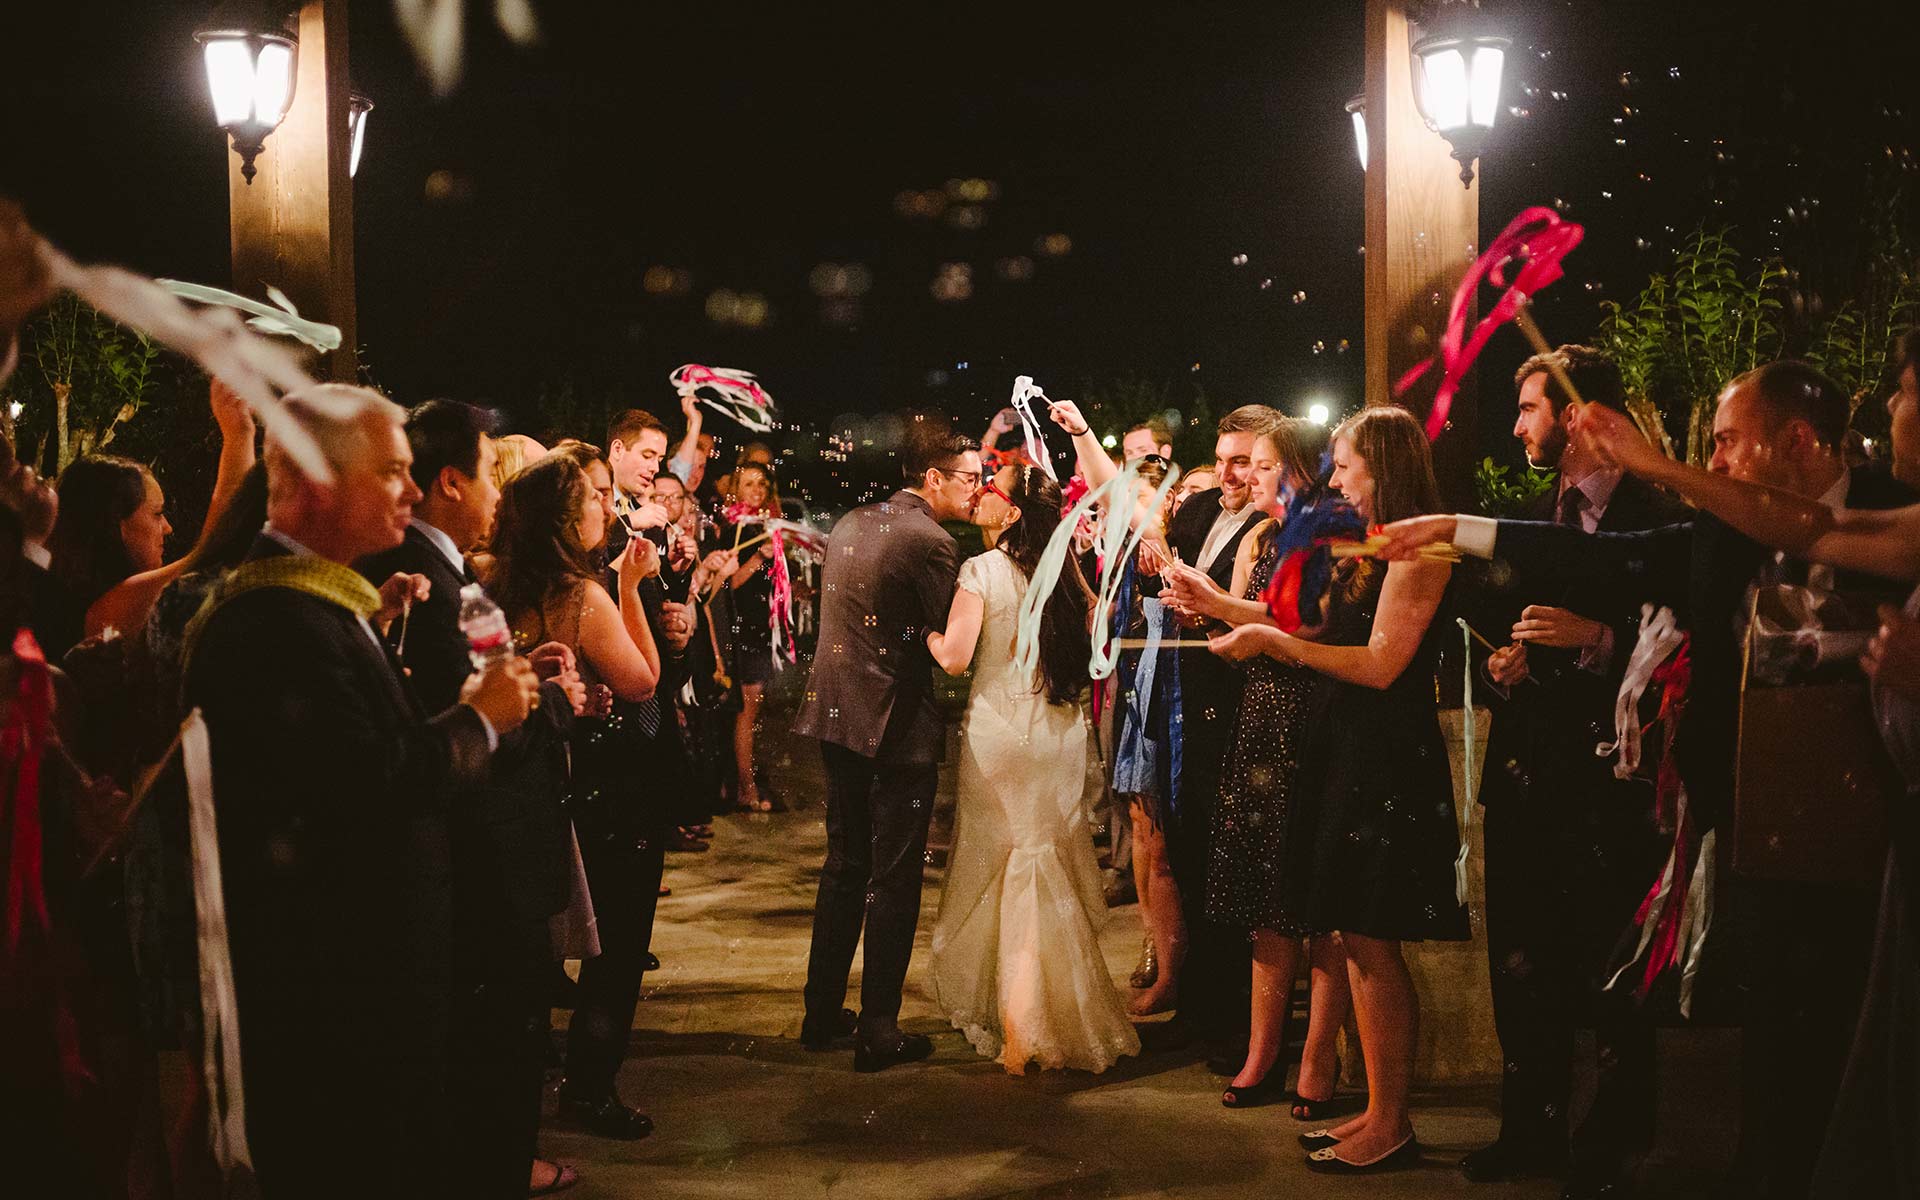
1016 956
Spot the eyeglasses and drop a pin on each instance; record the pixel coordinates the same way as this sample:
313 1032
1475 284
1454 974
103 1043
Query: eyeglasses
990 488
972 477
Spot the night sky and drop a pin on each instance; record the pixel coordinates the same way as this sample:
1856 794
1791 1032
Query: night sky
504 235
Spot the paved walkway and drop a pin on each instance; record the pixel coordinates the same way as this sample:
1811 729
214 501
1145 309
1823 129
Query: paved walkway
742 1111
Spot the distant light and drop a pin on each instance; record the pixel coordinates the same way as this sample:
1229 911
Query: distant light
1109 441
1357 109
16 408
1319 413
358 107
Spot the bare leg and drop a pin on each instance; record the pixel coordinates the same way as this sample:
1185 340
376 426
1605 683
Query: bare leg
1153 877
1388 1014
1329 999
1276 960
748 792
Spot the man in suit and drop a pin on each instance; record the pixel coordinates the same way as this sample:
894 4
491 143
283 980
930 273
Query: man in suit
332 785
1569 848
1206 533
888 582
509 837
625 853
1798 951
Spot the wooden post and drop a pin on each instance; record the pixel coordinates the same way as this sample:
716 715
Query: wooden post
293 225
1423 231
1422 234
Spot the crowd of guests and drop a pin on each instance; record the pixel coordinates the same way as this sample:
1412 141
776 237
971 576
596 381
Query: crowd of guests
418 823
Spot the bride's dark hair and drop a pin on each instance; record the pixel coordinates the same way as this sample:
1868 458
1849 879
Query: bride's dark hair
1065 644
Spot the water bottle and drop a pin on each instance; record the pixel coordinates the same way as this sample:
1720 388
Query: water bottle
489 639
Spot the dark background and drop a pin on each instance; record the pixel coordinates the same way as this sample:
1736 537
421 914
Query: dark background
503 234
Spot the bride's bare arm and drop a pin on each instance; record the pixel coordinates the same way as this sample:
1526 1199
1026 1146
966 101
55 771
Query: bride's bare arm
953 649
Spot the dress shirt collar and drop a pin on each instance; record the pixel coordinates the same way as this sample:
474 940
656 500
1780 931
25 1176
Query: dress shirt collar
1835 497
442 543
1598 486
37 554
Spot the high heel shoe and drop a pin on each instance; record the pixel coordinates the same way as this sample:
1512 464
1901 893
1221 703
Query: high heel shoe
1148 972
1305 1109
1257 1094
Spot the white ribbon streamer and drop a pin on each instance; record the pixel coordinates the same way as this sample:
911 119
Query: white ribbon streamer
1469 726
1659 637
285 321
220 1011
1032 433
1119 539
256 368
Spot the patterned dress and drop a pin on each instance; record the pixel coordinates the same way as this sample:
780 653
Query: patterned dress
1259 825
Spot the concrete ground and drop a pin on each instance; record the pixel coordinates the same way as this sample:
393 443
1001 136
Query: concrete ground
742 1110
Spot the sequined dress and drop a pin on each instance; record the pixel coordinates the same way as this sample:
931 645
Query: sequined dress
1016 961
1376 769
1259 824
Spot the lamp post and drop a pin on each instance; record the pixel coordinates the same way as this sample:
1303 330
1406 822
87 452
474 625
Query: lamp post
1457 66
251 73
358 106
1357 109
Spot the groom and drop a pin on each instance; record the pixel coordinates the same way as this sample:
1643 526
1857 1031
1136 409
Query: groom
888 581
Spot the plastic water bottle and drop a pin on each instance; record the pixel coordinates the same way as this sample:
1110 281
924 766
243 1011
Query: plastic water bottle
489 639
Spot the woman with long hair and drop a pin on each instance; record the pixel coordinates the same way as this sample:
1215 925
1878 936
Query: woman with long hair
1017 964
109 542
755 643
1380 867
550 523
1262 824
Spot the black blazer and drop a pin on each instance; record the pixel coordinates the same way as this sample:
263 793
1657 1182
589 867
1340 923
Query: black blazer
1210 686
1702 569
512 858
1549 727
889 578
331 784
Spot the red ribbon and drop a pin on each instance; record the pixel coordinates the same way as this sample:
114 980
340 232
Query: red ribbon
1538 239
1675 677
22 743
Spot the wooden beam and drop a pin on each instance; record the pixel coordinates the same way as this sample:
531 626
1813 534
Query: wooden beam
293 225
1423 230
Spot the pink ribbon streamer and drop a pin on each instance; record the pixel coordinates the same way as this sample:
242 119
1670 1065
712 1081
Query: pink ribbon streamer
1538 239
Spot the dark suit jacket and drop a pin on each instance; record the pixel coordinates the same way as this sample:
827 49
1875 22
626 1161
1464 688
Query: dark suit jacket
512 857
1210 686
1702 569
666 757
889 579
1549 727
54 613
331 784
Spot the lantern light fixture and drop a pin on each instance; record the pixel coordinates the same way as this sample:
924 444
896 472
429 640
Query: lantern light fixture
250 59
1457 68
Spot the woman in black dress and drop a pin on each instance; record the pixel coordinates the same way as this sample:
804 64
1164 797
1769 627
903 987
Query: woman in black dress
1381 860
1262 827
756 655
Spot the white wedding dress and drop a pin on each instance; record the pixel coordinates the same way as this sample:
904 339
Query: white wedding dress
1016 957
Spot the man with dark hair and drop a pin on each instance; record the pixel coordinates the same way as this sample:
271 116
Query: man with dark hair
1150 437
508 835
1569 848
1779 425
888 581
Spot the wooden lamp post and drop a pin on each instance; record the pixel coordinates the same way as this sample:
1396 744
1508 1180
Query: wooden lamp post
279 84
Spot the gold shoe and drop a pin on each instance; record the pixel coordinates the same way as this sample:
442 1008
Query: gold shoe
1148 972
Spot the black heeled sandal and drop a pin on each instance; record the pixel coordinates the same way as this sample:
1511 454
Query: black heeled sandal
1255 1095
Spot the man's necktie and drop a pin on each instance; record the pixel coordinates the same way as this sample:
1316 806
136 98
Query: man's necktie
1573 502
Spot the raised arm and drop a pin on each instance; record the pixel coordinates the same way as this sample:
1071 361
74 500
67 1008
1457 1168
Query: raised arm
1094 463
1885 543
689 449
1408 601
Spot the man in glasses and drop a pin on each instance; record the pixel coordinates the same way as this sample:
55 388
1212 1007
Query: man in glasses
888 582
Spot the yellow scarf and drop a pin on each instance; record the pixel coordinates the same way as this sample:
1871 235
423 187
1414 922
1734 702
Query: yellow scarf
317 577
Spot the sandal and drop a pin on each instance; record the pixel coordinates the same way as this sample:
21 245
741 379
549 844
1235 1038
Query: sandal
564 1177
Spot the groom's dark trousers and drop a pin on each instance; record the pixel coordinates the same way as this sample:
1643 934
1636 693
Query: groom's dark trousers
889 578
877 815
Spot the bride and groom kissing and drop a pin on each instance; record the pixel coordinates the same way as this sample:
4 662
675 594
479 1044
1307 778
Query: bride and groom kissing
1017 964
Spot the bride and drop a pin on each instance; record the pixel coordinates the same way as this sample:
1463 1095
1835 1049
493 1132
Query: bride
1016 960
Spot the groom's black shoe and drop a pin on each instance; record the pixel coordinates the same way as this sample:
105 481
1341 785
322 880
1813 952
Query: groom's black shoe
604 1116
821 1033
905 1048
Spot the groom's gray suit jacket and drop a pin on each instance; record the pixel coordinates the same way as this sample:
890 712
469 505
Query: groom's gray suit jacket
889 578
